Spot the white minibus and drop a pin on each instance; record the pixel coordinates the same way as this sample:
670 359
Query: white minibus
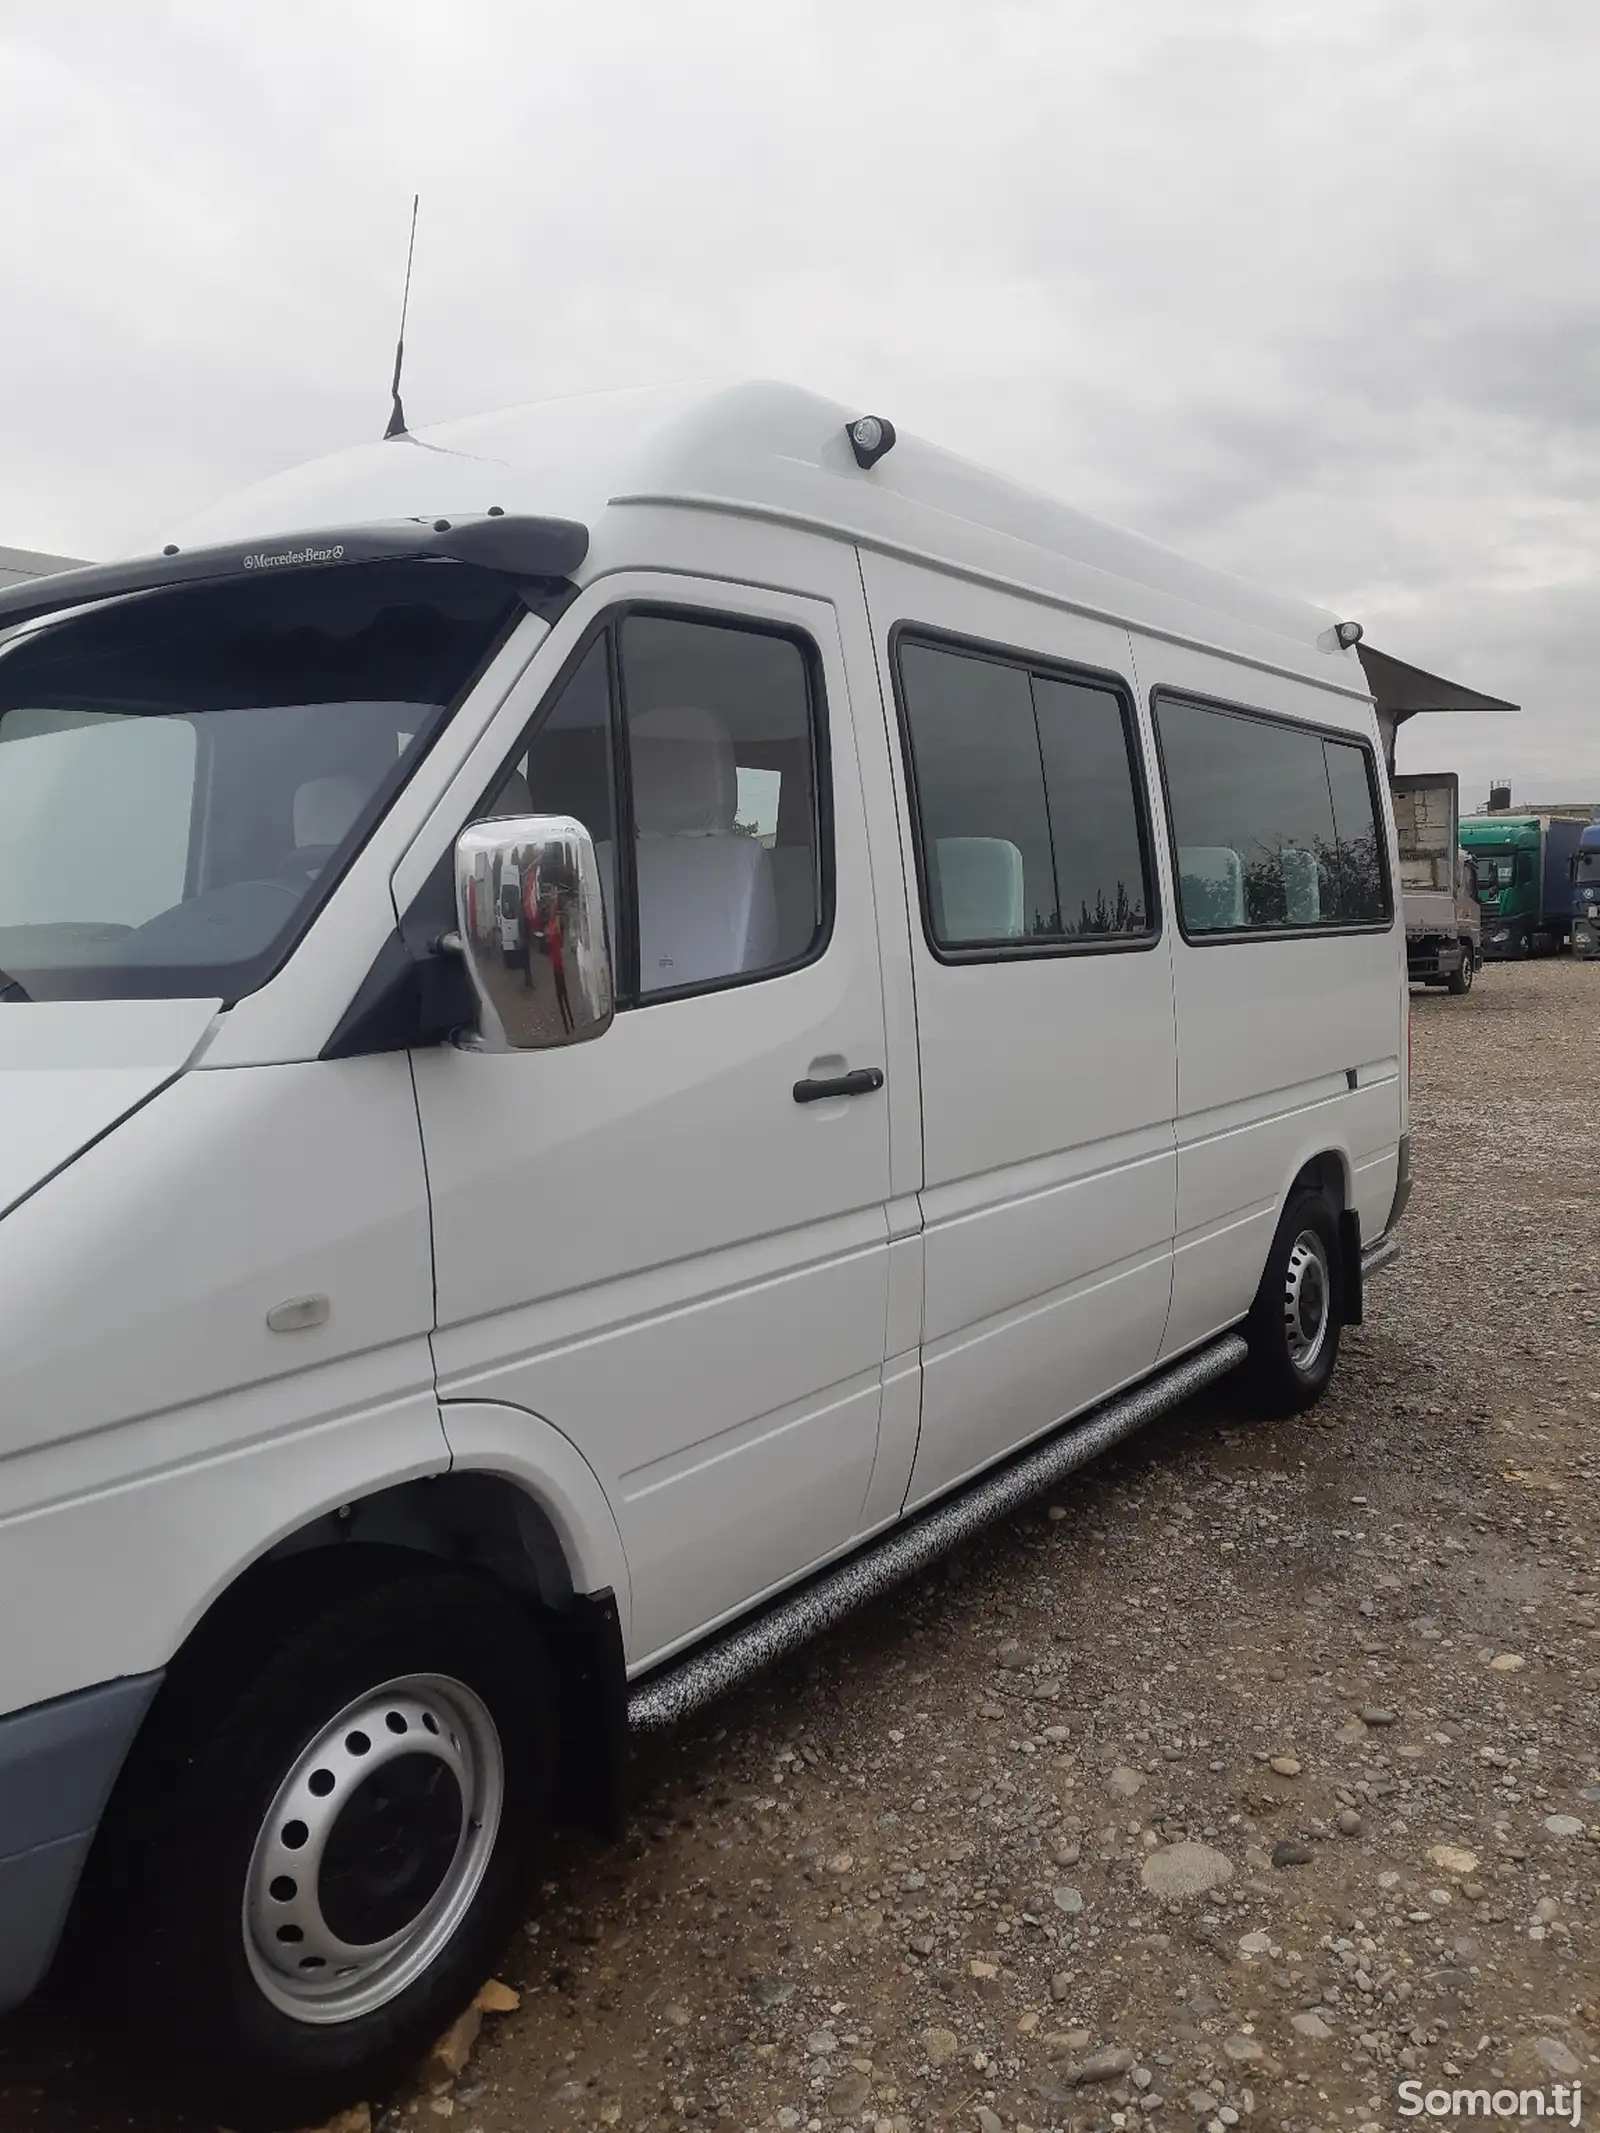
617 1022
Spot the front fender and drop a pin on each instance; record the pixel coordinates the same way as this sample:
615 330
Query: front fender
157 1434
490 1438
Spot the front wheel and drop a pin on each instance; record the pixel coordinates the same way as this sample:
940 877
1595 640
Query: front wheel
1461 980
1294 1324
331 1861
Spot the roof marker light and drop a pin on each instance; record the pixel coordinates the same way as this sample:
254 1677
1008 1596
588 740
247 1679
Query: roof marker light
1349 633
870 437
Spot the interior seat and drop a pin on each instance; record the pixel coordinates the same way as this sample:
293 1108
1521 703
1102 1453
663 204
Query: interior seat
980 888
1211 877
707 907
794 882
324 812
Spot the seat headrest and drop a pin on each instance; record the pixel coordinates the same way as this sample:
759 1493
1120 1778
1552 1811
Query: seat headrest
1211 882
981 888
685 780
324 809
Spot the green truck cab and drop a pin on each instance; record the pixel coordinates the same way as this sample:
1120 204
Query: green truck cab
1525 885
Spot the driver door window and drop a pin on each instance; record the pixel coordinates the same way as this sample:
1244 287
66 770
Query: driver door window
721 878
565 767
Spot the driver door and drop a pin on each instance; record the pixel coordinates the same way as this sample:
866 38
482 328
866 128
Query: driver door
647 1241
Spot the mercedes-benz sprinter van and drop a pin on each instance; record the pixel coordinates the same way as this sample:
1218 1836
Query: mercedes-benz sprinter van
616 1023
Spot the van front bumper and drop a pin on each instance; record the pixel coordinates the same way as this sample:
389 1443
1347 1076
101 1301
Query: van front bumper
58 1763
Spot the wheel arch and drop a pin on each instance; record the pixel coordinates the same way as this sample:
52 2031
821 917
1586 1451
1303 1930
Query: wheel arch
543 1538
1328 1171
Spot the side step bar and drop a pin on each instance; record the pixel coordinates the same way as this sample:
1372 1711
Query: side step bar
755 1642
1381 1254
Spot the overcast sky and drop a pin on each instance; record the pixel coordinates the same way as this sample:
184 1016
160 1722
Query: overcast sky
1307 290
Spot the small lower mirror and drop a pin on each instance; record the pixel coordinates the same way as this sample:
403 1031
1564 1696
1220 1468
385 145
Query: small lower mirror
533 931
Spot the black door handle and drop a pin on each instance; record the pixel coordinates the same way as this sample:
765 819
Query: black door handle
861 1083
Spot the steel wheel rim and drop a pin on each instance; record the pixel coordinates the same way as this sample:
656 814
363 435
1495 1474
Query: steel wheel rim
1307 1300
355 1883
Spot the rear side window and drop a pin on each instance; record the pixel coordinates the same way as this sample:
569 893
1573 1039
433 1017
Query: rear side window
1275 828
1029 826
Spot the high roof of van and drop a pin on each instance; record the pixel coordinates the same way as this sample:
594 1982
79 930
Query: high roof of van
776 452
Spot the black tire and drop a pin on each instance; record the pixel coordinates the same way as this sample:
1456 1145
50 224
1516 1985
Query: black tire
186 1972
1461 980
1284 1377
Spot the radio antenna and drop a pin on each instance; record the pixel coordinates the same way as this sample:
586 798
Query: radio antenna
397 414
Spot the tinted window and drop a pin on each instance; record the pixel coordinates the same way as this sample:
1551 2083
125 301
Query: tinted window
1094 821
1274 827
1358 896
566 767
1025 800
980 797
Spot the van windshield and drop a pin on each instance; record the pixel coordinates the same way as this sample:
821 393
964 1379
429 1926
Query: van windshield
185 774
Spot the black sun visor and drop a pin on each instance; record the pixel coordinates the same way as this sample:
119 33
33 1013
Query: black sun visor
521 548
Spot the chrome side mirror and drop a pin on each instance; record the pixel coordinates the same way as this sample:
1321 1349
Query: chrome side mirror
532 927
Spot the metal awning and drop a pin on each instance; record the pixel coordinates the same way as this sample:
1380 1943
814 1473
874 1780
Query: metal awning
1400 692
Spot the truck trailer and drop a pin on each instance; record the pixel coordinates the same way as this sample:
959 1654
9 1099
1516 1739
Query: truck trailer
1525 881
1437 881
1586 895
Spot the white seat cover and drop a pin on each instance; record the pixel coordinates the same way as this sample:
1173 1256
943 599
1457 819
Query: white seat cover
706 903
325 808
1211 877
1302 887
980 888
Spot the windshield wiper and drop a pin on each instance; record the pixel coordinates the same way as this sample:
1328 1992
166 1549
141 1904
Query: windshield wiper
10 989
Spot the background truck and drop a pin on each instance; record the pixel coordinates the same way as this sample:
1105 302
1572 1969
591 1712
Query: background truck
1524 881
1437 884
1586 895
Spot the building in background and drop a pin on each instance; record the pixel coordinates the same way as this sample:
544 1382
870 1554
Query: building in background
1570 810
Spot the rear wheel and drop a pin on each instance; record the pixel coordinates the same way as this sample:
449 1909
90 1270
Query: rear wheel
1295 1322
335 1847
1461 980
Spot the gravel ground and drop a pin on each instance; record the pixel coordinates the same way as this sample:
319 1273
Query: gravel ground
1336 1677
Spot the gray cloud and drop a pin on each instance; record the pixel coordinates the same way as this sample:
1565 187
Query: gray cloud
1303 291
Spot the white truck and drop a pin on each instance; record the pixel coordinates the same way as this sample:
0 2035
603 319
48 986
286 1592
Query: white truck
1437 881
